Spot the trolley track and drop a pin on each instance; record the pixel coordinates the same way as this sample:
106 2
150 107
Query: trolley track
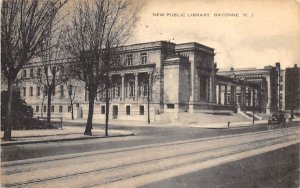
173 160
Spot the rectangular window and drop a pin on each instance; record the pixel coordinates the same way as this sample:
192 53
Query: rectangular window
31 91
45 108
52 108
280 87
281 78
60 109
131 89
62 93
24 73
53 91
142 110
143 58
31 73
102 109
69 108
86 95
145 89
170 106
127 110
62 70
38 91
37 108
70 90
38 72
129 60
24 91
46 91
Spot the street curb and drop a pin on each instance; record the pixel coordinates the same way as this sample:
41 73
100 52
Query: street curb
61 139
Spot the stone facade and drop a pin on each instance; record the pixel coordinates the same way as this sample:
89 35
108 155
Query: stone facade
177 77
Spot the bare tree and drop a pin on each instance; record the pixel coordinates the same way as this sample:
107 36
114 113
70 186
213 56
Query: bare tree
96 31
24 26
51 70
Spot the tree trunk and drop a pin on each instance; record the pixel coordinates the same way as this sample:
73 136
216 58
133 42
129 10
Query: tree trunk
106 111
72 111
7 130
48 122
89 124
148 104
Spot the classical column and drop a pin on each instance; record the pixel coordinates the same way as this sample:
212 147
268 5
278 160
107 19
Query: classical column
268 108
243 96
232 94
248 96
225 95
207 89
254 97
123 87
210 89
135 86
219 95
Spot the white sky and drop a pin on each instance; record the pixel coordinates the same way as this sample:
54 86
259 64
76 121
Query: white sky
271 35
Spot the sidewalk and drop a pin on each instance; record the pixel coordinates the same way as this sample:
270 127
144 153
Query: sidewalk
53 135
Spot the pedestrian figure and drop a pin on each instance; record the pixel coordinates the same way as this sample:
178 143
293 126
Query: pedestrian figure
228 123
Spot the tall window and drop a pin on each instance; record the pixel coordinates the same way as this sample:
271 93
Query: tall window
102 109
117 91
31 91
62 70
70 90
31 73
53 91
45 108
127 110
60 109
62 93
24 73
38 91
52 108
142 110
143 58
37 108
129 59
38 73
69 108
131 89
24 91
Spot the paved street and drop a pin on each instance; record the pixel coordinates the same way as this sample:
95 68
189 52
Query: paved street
120 163
143 135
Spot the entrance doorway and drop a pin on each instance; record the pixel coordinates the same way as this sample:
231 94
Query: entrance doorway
115 112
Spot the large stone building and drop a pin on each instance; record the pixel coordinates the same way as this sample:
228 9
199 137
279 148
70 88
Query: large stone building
184 76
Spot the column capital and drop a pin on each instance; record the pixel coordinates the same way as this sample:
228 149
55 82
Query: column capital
122 74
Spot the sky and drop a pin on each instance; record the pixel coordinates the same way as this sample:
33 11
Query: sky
257 32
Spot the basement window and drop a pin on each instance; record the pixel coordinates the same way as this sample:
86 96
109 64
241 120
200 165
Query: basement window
170 106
